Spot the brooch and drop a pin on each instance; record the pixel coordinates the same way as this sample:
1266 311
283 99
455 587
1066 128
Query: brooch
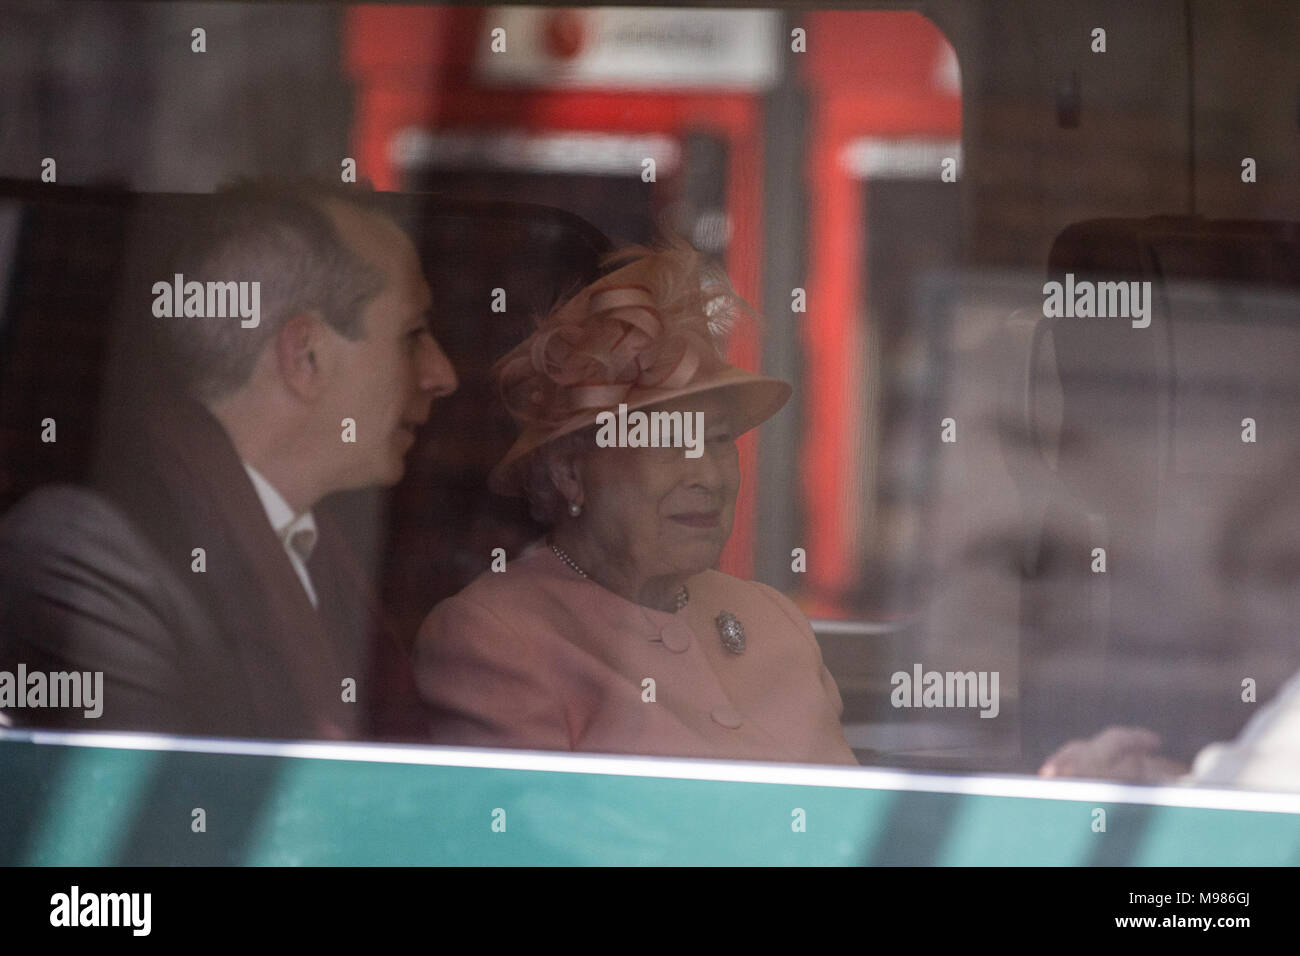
731 632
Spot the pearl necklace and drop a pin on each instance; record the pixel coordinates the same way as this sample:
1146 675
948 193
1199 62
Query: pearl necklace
681 597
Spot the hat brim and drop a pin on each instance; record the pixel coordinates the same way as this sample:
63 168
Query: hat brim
753 399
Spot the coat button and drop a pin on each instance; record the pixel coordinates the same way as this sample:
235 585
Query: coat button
727 717
676 637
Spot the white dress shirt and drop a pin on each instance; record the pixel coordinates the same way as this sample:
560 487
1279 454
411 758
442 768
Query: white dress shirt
297 532
1265 755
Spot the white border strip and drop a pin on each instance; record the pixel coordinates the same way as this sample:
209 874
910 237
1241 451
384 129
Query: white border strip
849 778
579 152
874 157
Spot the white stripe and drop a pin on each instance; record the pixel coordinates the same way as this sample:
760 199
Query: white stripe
597 154
849 778
871 157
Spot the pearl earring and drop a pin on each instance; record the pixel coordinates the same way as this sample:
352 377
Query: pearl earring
575 509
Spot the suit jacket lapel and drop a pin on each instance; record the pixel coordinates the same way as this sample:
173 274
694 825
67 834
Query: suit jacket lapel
192 491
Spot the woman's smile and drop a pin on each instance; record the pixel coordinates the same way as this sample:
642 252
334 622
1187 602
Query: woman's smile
698 519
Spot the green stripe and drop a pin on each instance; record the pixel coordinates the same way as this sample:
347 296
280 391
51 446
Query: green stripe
82 806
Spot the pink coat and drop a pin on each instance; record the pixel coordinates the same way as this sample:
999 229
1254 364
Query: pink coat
539 658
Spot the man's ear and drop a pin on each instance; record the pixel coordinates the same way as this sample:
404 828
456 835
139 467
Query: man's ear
299 354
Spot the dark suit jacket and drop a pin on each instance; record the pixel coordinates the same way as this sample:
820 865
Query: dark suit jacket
106 580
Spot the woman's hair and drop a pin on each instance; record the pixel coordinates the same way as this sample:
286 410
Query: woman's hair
545 502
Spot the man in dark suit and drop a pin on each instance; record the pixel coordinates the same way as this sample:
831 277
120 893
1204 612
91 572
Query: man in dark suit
196 576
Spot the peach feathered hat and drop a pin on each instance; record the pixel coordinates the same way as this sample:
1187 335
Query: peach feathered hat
645 334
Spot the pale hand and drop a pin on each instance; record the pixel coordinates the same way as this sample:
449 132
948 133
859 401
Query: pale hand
1117 753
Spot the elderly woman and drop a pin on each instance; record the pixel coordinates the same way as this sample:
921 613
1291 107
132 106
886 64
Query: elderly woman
613 634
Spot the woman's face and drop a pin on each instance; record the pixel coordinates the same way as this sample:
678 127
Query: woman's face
657 511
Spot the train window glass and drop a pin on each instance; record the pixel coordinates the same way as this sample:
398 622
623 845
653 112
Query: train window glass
1005 519
514 160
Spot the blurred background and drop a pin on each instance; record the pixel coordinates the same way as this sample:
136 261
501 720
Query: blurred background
891 187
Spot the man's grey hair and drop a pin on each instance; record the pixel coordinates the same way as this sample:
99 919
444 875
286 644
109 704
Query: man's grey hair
281 236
